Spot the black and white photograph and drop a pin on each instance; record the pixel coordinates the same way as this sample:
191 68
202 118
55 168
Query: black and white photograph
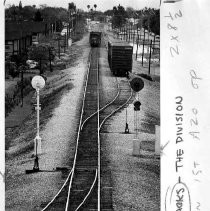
87 123
82 105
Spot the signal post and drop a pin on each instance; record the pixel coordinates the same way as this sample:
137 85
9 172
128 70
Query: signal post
38 83
137 84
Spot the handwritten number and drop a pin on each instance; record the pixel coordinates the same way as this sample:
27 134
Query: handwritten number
178 15
198 205
174 50
171 27
195 111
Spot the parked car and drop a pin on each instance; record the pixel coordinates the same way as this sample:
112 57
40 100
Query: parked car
32 64
64 31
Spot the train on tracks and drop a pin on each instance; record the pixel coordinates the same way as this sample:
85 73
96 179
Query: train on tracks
120 57
95 38
89 181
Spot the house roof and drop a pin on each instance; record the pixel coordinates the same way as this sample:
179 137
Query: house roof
16 30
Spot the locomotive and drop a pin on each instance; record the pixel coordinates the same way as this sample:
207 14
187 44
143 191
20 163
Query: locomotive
95 39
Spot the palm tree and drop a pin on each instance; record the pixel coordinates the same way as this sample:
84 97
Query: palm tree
95 6
88 6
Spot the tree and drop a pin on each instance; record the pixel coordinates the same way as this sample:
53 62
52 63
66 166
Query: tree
150 20
119 16
10 68
40 53
28 13
38 16
130 12
14 12
155 22
108 12
62 15
49 14
88 6
20 5
72 7
95 6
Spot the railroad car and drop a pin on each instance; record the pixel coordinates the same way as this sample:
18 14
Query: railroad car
120 57
95 39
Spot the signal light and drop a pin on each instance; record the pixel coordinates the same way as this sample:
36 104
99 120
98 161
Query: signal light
137 84
137 105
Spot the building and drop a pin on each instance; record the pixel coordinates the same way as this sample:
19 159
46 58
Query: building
20 35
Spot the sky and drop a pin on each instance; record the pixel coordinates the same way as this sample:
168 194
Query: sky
102 5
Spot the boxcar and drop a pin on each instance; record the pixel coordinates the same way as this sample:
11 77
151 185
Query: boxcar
95 39
120 57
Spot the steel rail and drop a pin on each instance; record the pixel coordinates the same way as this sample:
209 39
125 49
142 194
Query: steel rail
53 199
99 144
113 112
101 109
92 186
99 128
81 125
78 135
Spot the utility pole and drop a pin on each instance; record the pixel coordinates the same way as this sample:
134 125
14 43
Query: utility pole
137 47
142 58
22 68
59 51
154 42
40 66
150 53
50 59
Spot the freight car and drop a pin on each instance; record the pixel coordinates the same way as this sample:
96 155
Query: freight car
95 39
120 57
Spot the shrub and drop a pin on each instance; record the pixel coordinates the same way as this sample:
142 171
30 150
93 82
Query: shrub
11 68
14 99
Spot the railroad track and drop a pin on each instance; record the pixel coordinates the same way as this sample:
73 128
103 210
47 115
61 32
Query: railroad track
83 189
